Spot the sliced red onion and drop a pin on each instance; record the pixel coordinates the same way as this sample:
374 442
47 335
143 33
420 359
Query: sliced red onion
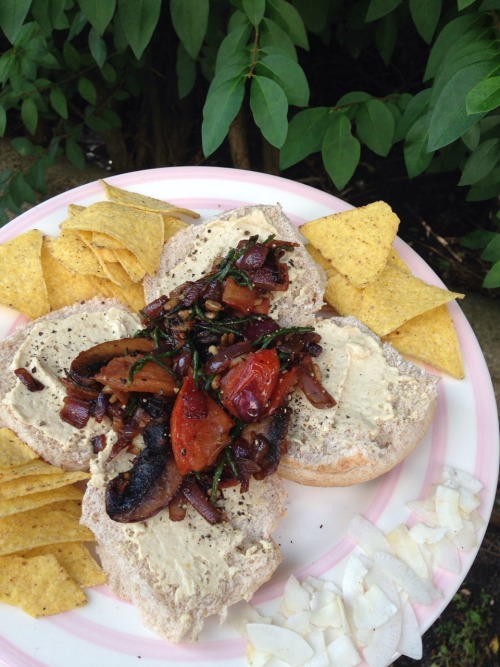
28 380
75 411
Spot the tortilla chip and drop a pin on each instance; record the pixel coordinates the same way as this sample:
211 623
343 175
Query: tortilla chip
75 559
142 232
357 242
132 267
69 249
33 500
45 525
395 259
13 451
37 483
143 202
73 209
106 255
339 292
39 586
22 286
65 287
99 240
34 467
397 297
431 337
172 226
132 296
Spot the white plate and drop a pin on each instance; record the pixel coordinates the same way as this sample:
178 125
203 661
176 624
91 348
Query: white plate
464 434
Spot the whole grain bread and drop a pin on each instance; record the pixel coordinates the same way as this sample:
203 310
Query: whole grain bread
198 570
77 457
295 307
341 456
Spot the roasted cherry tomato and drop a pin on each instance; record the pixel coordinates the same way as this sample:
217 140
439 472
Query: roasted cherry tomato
285 384
199 428
248 386
244 299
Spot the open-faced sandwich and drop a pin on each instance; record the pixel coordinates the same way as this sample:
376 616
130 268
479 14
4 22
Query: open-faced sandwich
188 412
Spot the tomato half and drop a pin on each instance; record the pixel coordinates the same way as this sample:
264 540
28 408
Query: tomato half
248 386
199 428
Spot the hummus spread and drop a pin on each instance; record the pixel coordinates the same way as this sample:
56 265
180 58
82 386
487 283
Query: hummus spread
188 557
356 373
47 353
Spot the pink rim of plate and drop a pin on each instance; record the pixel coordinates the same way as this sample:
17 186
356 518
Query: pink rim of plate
486 421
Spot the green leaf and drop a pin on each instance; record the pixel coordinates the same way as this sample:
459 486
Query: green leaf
185 68
340 150
375 126
478 239
447 38
386 36
58 17
71 56
379 8
110 75
58 101
492 278
234 42
352 98
21 191
415 108
487 188
78 24
417 157
29 114
305 135
480 162
463 54
285 15
425 15
12 15
190 21
462 4
24 147
484 97
269 107
289 75
74 153
254 9
3 120
472 136
272 35
221 106
139 19
492 251
449 118
314 14
97 47
87 90
98 12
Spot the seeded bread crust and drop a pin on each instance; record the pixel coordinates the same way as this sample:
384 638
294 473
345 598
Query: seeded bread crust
77 457
303 298
347 458
166 609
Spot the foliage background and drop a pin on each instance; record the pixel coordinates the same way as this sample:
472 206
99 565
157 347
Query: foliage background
335 87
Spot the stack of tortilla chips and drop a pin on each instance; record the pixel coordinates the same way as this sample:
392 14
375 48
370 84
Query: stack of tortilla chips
367 279
44 563
104 249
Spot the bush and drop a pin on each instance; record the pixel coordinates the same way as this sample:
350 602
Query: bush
155 80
